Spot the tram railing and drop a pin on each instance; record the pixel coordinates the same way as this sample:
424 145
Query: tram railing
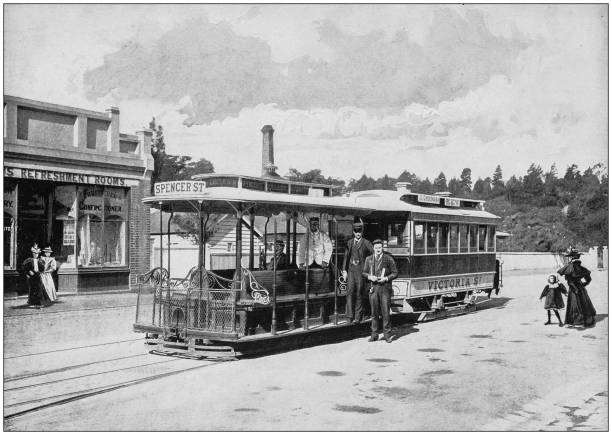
202 301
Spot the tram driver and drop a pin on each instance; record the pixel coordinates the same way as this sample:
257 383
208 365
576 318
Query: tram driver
279 257
319 249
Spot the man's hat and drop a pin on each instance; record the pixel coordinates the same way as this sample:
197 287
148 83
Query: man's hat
358 226
572 253
377 241
314 219
48 249
35 248
279 242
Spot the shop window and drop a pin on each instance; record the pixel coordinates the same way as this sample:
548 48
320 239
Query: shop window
443 235
432 238
491 239
463 238
101 226
419 238
64 225
33 218
454 238
10 224
473 238
482 238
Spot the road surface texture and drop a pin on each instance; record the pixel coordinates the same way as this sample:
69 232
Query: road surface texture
497 369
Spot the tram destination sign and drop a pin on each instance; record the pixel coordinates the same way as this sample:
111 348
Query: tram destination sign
183 187
428 199
451 284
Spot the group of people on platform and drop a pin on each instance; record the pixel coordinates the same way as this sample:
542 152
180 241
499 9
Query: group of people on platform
580 310
38 271
367 270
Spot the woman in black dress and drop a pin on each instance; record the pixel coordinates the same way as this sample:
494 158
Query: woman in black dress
580 309
33 267
554 299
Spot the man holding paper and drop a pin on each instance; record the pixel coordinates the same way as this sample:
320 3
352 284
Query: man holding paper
380 270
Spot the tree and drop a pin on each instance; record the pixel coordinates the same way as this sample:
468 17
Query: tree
425 186
514 187
454 187
440 183
364 183
314 176
533 184
408 177
497 182
158 151
465 181
551 196
386 183
482 188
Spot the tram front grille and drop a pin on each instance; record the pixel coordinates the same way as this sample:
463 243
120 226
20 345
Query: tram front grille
212 310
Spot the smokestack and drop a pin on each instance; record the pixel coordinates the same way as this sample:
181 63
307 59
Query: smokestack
268 169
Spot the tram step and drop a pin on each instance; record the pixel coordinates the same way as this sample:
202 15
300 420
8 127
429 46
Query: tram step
183 350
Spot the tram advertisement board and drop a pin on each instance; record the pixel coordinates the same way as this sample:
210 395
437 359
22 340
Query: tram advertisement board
455 283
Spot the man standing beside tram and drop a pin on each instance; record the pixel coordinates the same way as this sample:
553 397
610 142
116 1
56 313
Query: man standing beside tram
380 270
357 250
316 247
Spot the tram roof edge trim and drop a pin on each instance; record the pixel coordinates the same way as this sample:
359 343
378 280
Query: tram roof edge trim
202 177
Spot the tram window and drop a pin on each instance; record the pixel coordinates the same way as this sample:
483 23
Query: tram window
463 238
443 242
473 238
491 239
454 238
419 238
432 238
482 238
395 234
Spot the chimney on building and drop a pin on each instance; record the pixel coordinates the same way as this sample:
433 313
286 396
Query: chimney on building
113 130
268 169
403 186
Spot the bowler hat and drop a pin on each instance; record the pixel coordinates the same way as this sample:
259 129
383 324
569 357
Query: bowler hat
48 249
279 242
358 226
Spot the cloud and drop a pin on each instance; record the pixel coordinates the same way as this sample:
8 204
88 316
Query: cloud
223 72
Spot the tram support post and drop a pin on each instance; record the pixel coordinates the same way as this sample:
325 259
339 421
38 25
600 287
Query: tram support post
294 248
168 237
274 265
288 231
336 271
161 238
252 240
307 285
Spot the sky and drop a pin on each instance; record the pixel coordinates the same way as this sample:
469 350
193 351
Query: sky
349 89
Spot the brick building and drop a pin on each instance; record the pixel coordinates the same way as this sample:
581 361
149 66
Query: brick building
72 181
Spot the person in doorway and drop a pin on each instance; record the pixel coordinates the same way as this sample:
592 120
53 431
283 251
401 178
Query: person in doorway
317 250
32 268
357 250
46 276
554 299
279 258
380 270
580 309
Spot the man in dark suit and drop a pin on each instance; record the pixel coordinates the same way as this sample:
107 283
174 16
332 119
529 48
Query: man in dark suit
279 256
380 270
357 250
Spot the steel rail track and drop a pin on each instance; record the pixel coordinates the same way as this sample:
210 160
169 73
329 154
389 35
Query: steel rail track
83 394
74 348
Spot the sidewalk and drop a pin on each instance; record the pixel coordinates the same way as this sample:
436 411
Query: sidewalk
18 306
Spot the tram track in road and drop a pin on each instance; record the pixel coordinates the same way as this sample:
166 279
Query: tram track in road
74 310
74 348
37 403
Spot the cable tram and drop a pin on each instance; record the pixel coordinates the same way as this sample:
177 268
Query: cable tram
444 249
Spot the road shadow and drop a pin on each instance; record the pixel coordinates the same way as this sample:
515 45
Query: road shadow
403 330
600 317
498 302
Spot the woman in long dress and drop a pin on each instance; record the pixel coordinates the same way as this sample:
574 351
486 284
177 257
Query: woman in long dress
33 268
46 277
580 309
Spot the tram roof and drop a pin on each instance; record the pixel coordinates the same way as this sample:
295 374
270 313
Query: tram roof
223 199
392 200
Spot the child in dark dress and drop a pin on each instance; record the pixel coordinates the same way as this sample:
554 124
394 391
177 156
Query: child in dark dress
554 301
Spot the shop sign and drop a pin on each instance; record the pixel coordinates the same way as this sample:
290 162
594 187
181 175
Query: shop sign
428 199
64 177
451 284
179 187
91 201
451 202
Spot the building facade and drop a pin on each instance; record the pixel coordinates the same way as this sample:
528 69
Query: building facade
72 181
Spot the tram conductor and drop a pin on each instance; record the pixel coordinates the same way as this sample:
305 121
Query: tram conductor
357 250
319 249
380 270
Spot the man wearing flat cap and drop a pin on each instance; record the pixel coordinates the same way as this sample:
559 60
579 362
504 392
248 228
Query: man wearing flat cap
357 250
319 249
279 256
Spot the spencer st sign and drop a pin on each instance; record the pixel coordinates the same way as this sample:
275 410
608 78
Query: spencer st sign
179 187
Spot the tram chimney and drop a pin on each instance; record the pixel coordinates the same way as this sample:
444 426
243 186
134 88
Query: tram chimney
403 186
268 169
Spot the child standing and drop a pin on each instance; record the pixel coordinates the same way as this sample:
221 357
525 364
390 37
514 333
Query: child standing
554 300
